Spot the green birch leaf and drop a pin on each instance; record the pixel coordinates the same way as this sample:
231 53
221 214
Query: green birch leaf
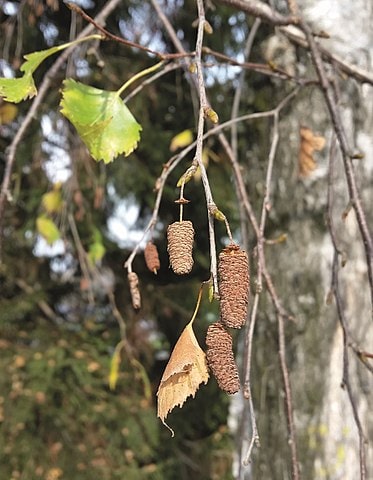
102 120
52 201
47 229
96 252
17 89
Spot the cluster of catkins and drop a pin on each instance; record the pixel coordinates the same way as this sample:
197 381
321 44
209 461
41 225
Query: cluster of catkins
234 285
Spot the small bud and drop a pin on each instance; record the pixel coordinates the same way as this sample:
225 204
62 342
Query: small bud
220 358
211 115
180 236
208 28
188 175
219 215
192 67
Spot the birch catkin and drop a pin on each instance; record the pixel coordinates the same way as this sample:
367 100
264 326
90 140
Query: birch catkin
180 236
220 358
234 285
133 281
151 257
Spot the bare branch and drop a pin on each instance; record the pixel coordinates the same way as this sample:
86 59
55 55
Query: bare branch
288 26
341 316
295 474
261 10
164 56
346 154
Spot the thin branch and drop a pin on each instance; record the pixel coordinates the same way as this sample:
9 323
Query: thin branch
168 68
249 334
5 194
261 10
288 26
82 255
238 93
346 154
295 35
295 474
341 316
260 265
203 106
263 68
163 56
234 114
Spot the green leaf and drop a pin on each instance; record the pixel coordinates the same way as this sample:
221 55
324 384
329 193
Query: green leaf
47 229
17 89
102 120
114 369
96 252
52 201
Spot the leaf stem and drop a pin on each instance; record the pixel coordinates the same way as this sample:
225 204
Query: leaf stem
139 75
197 304
94 36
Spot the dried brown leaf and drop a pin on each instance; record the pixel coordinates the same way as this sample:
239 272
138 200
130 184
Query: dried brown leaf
309 142
184 373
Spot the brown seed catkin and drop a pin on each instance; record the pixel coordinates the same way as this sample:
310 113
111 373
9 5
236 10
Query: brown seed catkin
234 285
151 257
133 281
220 358
180 236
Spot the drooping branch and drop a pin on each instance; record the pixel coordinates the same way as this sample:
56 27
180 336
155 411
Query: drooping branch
346 154
335 289
261 10
164 56
288 26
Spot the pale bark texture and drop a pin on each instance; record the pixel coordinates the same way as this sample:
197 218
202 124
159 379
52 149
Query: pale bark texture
326 431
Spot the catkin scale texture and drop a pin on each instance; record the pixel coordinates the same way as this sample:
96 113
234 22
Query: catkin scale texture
151 257
133 281
220 358
234 285
180 236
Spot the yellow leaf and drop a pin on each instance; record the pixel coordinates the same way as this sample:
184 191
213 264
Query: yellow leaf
182 139
52 201
185 371
8 113
47 229
114 369
308 143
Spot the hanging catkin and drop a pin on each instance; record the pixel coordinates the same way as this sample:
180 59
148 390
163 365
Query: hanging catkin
180 237
133 281
234 285
151 257
220 358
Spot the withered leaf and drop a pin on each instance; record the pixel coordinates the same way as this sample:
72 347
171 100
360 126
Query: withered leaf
184 373
309 142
